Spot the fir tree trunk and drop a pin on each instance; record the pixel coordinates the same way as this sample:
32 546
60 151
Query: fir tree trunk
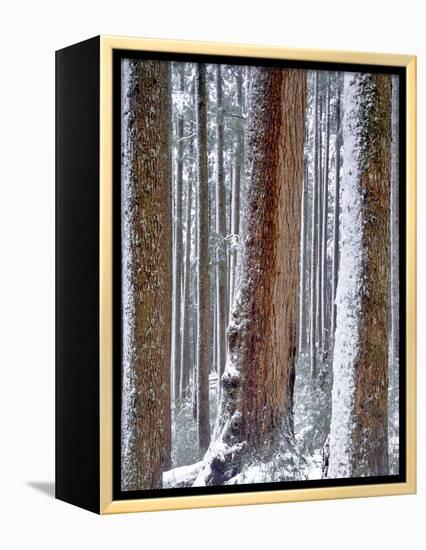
262 335
203 298
178 248
314 239
335 264
147 280
359 426
221 302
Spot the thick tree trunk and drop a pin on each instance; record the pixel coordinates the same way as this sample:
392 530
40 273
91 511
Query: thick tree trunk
359 436
203 337
262 335
146 274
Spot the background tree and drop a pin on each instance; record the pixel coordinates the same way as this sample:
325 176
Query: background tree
203 339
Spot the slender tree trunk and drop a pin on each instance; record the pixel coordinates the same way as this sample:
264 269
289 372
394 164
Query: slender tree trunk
185 362
146 275
179 248
359 426
319 308
203 352
221 302
303 265
262 335
314 238
324 278
394 348
236 186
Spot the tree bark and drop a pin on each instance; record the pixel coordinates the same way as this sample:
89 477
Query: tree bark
359 427
203 351
338 146
314 239
146 274
221 302
262 335
178 247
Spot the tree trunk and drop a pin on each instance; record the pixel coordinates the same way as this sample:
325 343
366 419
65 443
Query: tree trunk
324 232
262 334
185 362
236 186
203 337
359 437
221 302
179 248
314 239
146 274
335 265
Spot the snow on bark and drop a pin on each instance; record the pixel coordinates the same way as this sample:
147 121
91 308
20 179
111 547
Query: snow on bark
127 311
348 294
394 287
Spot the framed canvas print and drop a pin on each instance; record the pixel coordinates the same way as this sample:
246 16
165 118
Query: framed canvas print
235 274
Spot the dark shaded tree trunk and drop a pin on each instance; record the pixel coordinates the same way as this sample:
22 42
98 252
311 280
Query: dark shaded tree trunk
148 248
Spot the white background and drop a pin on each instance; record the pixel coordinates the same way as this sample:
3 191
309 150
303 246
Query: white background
29 33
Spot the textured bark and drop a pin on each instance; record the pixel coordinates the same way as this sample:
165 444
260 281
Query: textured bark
203 351
394 286
178 248
262 335
359 425
147 222
370 437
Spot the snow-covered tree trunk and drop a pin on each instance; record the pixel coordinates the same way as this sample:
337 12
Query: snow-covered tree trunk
258 381
146 273
185 361
358 436
324 228
203 290
314 238
221 286
236 185
178 247
394 286
336 219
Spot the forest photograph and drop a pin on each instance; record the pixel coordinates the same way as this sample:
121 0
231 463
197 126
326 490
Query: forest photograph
260 267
